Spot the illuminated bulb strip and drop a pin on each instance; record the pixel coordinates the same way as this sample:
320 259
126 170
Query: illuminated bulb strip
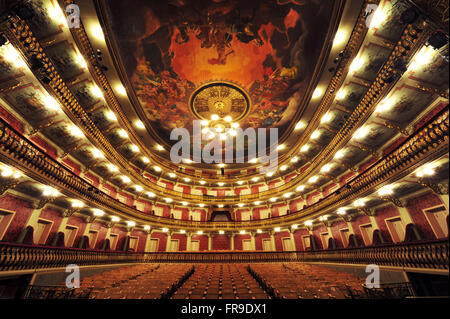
326 168
123 133
315 134
81 61
96 91
339 38
317 93
339 154
56 14
50 103
386 190
126 179
11 55
110 116
357 63
121 90
139 124
49 191
304 148
98 212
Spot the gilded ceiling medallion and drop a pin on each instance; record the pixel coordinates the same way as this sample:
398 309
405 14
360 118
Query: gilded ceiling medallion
219 99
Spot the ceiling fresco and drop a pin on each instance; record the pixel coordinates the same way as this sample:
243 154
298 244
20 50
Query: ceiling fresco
268 48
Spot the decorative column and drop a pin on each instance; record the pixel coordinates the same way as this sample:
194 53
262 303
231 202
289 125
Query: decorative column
65 218
148 238
168 242
440 189
209 241
188 241
272 241
370 212
232 241
109 226
34 217
401 207
89 220
444 199
252 241
291 235
126 244
348 219
328 224
312 239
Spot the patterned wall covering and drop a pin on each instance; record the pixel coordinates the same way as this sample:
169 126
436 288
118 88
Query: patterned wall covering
23 211
381 215
259 241
162 240
55 216
221 242
101 233
360 220
142 235
11 120
81 224
122 232
316 232
203 241
238 245
335 231
182 241
415 207
298 237
279 240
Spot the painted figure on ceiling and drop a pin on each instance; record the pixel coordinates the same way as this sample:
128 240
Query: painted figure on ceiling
268 47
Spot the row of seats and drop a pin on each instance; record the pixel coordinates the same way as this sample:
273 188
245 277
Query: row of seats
226 281
223 281
147 281
299 280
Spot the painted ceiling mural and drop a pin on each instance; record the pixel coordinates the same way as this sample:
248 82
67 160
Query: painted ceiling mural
268 48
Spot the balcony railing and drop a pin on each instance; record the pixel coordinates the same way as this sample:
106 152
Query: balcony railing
430 141
421 255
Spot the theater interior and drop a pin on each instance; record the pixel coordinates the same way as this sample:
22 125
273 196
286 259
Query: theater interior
114 182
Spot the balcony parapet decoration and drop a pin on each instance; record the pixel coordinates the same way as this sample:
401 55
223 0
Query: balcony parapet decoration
411 40
429 142
418 255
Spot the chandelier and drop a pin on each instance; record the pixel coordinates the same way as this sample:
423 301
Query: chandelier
218 126
219 106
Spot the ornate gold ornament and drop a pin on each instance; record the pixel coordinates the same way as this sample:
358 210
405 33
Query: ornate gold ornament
220 105
219 98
